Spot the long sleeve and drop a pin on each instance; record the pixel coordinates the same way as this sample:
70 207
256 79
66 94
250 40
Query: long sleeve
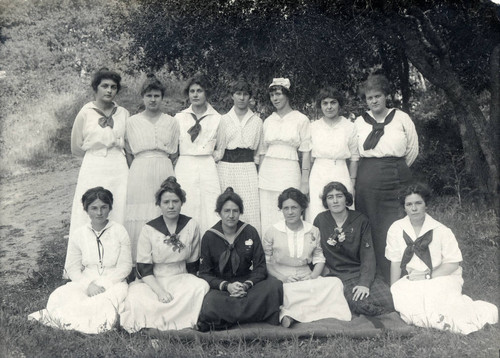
317 253
367 256
208 266
220 143
124 262
73 264
77 136
352 142
412 141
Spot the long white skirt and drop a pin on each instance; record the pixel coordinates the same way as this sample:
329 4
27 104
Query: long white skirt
324 171
110 172
198 177
70 308
143 310
275 175
242 177
439 303
147 172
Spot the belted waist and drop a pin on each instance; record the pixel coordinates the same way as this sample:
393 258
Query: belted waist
238 155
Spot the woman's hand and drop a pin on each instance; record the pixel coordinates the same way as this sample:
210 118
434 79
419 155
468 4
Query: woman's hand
94 290
236 289
360 292
418 275
166 297
292 278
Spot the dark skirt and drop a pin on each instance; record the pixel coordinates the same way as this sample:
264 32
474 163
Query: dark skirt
377 188
262 304
378 302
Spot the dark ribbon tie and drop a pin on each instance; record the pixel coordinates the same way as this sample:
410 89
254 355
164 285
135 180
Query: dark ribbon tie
229 254
106 121
419 247
195 130
377 129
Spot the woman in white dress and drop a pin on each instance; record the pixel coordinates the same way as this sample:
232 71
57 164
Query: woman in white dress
97 262
426 276
166 295
243 132
334 140
291 245
286 131
200 147
98 136
152 137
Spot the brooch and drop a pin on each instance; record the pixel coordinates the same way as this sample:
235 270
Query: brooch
175 242
249 242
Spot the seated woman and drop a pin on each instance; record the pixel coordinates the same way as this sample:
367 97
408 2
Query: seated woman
347 245
97 262
165 296
233 263
430 292
291 246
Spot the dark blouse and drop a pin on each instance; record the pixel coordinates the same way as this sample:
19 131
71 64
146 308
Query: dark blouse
353 257
248 248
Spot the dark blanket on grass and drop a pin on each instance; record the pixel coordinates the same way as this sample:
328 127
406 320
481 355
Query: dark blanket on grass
358 327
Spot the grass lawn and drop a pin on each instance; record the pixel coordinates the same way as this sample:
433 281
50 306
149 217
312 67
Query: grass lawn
474 226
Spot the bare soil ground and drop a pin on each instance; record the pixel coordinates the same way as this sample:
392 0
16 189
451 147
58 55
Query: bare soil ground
32 207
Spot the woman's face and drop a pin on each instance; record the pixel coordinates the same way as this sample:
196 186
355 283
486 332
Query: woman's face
278 99
330 108
152 100
230 214
415 207
376 101
197 95
292 211
170 205
241 99
336 201
106 91
98 212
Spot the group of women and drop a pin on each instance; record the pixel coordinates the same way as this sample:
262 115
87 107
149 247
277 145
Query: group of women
316 260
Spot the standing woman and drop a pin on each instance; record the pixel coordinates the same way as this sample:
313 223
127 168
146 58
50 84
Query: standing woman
98 136
234 265
388 145
200 147
243 132
426 254
151 138
286 131
97 262
334 140
167 295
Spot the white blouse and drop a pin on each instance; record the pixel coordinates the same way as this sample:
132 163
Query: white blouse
443 247
83 264
284 136
88 135
142 135
399 140
339 141
210 141
246 133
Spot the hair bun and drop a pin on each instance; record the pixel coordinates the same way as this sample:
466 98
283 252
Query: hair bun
229 190
150 75
103 69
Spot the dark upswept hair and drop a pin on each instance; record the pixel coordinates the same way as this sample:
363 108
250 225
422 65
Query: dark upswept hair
294 194
100 193
377 82
152 83
202 81
106 74
228 195
284 90
170 185
240 85
335 185
329 92
415 188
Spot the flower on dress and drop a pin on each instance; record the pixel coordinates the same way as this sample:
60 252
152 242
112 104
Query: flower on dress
338 236
175 242
249 242
310 237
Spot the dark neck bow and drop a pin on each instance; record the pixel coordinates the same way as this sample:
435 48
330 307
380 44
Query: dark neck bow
195 130
419 247
230 254
106 121
377 129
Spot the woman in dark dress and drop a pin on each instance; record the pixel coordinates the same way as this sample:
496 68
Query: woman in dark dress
347 246
238 294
